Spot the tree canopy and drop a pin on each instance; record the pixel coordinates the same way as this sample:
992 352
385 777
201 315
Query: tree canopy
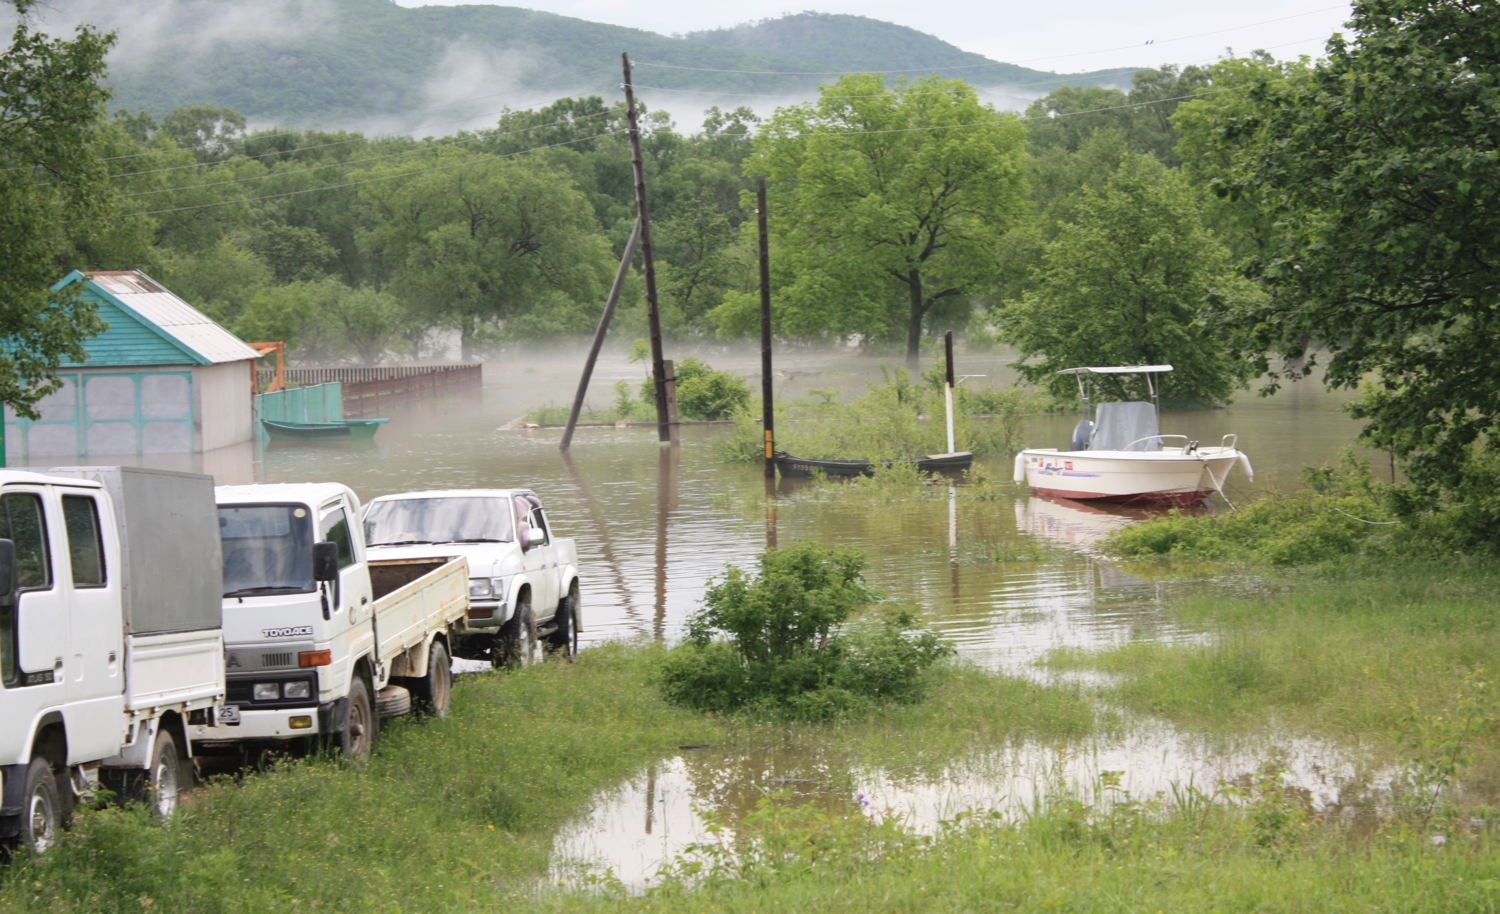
51 180
883 203
1380 168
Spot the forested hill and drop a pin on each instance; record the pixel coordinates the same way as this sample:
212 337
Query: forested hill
346 62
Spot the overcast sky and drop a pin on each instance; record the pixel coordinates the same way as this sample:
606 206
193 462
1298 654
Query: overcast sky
1063 36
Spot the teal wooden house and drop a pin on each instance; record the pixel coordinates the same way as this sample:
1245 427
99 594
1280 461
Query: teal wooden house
163 379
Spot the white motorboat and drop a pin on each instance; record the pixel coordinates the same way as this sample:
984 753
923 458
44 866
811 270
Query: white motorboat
1120 455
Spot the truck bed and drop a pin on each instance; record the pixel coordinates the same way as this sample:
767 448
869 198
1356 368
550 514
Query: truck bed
414 597
184 670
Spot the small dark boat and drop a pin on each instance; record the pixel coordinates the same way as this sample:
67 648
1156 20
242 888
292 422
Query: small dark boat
804 467
356 429
945 463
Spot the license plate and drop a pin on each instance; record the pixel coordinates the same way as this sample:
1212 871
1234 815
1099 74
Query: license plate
229 716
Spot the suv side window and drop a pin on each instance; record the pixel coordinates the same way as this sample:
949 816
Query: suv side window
23 523
335 528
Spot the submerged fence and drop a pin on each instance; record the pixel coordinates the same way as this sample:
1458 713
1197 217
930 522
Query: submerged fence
369 391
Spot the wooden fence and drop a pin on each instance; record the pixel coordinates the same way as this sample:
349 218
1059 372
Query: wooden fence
367 392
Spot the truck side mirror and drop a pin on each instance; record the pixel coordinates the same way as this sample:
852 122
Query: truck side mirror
523 535
325 560
7 568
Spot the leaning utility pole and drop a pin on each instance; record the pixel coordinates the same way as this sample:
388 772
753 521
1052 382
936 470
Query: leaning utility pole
604 319
766 385
653 316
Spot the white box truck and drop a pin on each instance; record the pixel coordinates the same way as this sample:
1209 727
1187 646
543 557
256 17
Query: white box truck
110 638
320 640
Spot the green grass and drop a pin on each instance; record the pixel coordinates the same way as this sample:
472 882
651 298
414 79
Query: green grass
1338 652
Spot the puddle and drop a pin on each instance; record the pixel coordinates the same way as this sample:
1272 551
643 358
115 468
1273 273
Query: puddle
653 817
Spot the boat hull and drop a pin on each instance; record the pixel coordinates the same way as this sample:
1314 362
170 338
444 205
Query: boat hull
1166 477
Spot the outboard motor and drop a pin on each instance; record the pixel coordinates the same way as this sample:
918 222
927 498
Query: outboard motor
1083 432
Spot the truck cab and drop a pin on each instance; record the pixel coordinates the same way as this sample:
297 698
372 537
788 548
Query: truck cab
320 643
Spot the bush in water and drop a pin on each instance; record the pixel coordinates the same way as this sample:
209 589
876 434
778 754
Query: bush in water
775 642
702 392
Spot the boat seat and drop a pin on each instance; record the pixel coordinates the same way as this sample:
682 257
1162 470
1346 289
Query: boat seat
1122 425
1082 432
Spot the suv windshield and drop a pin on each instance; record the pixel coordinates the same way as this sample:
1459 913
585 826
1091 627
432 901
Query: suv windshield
267 549
462 519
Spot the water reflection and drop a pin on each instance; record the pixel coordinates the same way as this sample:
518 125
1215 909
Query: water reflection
651 818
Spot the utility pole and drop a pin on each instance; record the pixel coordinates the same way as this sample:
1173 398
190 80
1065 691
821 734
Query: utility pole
948 384
653 316
766 384
604 319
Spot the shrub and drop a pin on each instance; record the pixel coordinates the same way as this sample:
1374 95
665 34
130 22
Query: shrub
702 392
775 642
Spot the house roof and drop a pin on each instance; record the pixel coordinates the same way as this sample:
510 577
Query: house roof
178 323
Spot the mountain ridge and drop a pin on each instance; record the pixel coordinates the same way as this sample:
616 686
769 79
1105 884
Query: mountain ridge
329 63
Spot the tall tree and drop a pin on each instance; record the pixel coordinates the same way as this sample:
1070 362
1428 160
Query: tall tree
478 241
875 190
50 180
1381 169
1130 283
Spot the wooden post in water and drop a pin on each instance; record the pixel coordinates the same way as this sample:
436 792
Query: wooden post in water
604 319
653 317
768 406
948 385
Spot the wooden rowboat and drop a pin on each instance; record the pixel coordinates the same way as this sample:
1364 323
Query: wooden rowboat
350 429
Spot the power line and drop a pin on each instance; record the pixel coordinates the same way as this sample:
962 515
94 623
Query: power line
975 66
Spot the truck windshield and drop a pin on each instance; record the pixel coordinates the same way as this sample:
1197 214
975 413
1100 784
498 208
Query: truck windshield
464 519
267 549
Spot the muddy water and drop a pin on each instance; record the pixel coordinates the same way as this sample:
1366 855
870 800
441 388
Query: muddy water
1006 580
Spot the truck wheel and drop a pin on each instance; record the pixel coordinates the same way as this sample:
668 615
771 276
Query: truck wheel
564 637
434 691
518 638
358 739
164 780
41 812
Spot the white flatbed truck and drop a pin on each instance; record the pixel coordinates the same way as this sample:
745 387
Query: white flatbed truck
320 640
110 641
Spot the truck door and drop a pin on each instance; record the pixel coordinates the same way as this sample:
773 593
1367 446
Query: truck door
354 578
95 687
34 626
542 558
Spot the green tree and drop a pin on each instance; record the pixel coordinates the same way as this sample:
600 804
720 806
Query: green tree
479 241
51 180
885 197
1380 169
1130 283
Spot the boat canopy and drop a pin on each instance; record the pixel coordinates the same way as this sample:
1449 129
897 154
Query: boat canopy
1128 425
1123 369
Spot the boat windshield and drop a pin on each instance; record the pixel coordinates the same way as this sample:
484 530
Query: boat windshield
267 549
459 519
1122 426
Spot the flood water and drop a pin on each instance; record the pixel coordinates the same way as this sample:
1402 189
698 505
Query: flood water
1006 581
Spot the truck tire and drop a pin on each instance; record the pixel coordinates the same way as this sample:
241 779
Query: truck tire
518 638
563 640
164 781
357 740
41 810
434 691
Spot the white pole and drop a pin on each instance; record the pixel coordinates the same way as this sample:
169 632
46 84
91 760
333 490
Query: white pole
948 393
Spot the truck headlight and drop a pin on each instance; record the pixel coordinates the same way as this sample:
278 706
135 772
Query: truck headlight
480 588
266 691
301 689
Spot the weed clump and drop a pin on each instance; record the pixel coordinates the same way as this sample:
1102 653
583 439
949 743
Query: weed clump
776 643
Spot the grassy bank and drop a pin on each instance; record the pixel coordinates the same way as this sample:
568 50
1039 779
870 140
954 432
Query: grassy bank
461 812
1366 653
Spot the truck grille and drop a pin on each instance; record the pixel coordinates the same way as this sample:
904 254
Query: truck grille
267 661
